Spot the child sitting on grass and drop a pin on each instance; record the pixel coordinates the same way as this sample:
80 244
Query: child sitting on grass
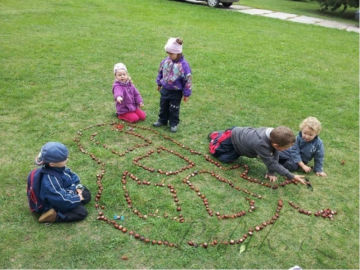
61 193
263 142
127 98
308 146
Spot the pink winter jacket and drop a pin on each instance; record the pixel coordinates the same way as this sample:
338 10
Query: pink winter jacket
130 95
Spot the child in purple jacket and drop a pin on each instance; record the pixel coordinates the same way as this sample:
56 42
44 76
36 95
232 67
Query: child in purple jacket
174 82
127 98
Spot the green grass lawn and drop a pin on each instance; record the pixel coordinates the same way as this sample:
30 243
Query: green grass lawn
56 60
306 8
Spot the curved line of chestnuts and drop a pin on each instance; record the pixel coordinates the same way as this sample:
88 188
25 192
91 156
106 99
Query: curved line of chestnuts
325 213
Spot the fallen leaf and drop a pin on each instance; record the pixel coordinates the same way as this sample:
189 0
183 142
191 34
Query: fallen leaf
242 248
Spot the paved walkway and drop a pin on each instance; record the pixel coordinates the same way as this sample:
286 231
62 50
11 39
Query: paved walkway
291 17
295 18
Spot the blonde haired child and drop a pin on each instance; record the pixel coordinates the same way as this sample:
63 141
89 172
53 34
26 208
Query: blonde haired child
264 142
127 98
308 146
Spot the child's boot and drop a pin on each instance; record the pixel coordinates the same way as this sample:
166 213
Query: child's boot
158 124
48 216
173 129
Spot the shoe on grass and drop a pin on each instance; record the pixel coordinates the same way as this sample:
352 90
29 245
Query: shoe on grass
173 129
48 216
158 124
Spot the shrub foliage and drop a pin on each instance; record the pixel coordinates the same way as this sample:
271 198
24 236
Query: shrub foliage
335 4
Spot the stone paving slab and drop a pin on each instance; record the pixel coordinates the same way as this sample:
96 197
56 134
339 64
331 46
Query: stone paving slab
280 15
306 19
332 24
255 11
353 29
239 7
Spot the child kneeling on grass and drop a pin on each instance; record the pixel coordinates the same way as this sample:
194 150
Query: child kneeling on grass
61 193
127 98
308 146
250 142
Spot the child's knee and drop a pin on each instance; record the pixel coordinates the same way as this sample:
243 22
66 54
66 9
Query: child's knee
174 108
141 115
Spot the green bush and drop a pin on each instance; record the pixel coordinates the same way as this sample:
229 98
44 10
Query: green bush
335 4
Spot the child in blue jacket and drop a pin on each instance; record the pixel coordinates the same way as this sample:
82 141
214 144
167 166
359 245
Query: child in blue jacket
308 146
62 194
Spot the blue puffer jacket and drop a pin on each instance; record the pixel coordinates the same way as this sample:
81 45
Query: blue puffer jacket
58 189
306 151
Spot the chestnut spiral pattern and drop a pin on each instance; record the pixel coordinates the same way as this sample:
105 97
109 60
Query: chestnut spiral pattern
188 181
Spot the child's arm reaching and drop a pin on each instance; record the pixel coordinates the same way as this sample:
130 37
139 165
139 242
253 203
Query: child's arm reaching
119 99
304 167
297 178
318 160
118 93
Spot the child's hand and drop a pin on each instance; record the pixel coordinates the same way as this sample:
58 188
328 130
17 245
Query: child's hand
272 178
323 174
119 99
303 166
159 87
300 178
186 99
141 104
306 169
80 191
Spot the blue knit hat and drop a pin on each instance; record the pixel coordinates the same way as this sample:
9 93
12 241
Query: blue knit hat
52 152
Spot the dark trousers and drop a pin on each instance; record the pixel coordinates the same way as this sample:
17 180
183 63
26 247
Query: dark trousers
225 152
286 160
77 213
170 106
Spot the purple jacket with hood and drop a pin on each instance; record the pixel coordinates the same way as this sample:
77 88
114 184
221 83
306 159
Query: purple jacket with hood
130 95
175 75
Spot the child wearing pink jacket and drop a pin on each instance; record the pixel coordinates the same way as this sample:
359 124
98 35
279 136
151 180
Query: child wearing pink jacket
127 98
